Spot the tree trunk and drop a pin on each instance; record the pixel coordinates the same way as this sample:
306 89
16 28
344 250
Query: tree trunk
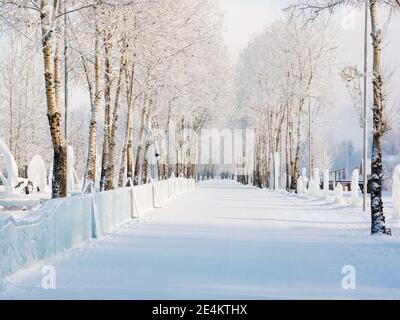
296 159
122 167
166 156
136 179
146 162
378 223
107 115
59 182
126 167
90 174
109 184
129 126
287 154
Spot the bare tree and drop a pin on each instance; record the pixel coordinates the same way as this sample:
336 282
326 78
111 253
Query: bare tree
378 223
52 73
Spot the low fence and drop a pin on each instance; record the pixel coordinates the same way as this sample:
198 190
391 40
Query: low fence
62 224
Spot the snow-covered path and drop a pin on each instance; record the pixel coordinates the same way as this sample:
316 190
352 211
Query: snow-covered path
226 241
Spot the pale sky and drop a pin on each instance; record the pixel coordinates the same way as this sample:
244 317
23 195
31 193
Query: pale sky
246 18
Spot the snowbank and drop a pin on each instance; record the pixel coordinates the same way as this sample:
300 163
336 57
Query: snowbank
62 224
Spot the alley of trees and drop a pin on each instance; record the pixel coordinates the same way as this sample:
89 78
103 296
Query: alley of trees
106 77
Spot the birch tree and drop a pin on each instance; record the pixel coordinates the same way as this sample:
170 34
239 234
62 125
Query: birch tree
145 66
280 73
52 74
315 7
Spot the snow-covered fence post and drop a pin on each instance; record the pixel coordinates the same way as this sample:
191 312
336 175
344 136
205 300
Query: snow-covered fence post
134 207
90 185
156 195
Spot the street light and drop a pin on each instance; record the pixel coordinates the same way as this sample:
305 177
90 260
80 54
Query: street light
309 142
66 79
365 127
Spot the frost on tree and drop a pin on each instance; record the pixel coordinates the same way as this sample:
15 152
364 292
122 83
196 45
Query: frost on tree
37 173
11 178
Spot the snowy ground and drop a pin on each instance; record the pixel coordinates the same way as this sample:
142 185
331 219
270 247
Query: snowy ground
227 241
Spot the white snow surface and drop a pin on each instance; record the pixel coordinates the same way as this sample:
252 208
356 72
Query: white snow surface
227 241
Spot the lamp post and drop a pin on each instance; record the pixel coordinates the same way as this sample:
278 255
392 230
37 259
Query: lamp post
309 142
365 125
65 74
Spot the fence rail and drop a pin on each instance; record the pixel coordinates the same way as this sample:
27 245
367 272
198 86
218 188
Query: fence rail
62 224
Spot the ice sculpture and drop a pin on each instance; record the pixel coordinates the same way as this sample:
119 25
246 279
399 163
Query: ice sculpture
339 194
302 182
315 181
37 173
11 180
